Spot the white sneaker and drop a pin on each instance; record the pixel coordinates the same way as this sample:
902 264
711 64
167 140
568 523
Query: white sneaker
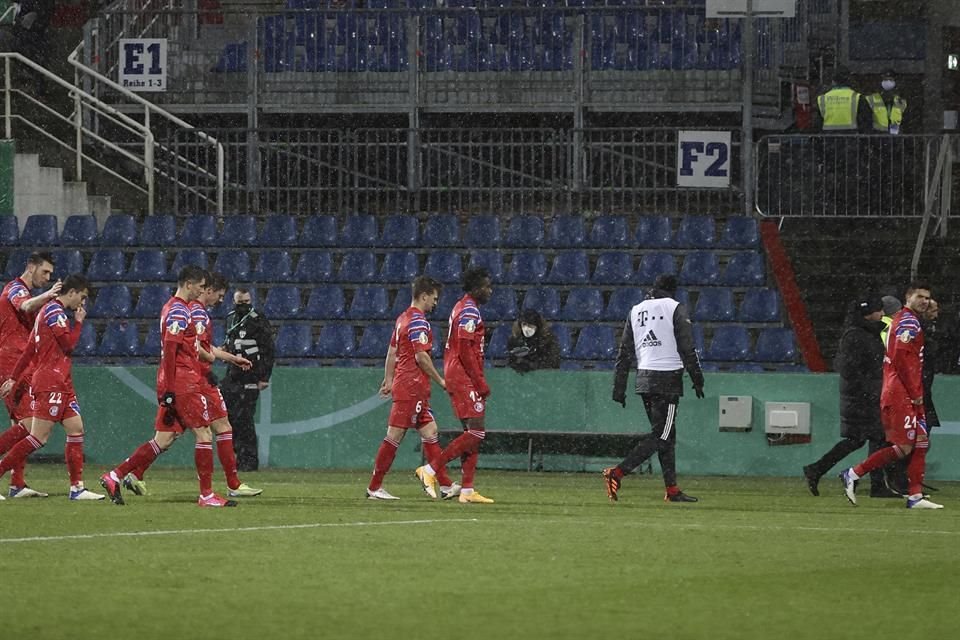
922 503
2 498
380 494
26 492
450 492
849 488
85 494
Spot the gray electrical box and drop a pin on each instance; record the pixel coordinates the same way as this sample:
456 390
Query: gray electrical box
787 417
736 413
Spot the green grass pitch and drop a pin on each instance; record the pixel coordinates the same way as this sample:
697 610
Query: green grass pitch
312 558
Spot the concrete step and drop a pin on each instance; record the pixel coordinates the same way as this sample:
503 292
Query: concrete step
99 206
75 198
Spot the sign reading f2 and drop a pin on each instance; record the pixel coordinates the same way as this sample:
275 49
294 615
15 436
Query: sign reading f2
143 64
703 159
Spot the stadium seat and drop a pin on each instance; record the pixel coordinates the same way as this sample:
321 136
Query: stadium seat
238 231
714 305
107 265
745 269
595 342
610 231
502 305
16 263
148 265
198 231
497 343
571 267
489 259
158 231
525 232
400 231
543 300
79 231
653 232
443 266
775 345
729 343
9 231
119 230
294 341
151 300
66 262
358 266
621 301
359 230
448 298
695 232
314 266
234 264
185 257
482 231
441 231
283 301
120 339
273 265
564 341
87 344
654 264
700 268
698 339
583 304
111 301
369 303
566 231
374 341
760 305
278 231
39 231
740 232
319 231
399 266
747 367
150 347
613 267
325 302
336 340
527 267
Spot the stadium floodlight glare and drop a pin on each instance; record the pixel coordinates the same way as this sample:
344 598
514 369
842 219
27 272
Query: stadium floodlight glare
953 61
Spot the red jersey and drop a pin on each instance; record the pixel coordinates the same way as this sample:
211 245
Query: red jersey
411 334
903 362
201 324
15 325
176 328
464 344
52 342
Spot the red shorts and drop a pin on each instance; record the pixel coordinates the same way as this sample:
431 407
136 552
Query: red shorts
215 403
192 410
19 402
466 402
410 414
55 406
903 423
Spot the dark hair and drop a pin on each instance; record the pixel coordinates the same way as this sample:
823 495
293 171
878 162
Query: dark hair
217 281
918 284
39 257
425 284
473 278
242 290
75 282
666 282
191 273
841 75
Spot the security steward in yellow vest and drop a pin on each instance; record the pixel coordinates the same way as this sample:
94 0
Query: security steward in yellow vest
841 109
887 107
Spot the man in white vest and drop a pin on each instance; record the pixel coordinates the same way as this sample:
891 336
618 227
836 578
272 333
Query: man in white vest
658 337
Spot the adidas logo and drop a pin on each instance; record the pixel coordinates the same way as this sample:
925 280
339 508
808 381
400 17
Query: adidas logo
650 340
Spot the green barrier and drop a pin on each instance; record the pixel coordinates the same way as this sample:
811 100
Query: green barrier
7 153
332 418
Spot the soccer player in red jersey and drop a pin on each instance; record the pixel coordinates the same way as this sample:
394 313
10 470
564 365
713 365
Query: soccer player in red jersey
408 370
901 403
48 353
179 393
466 385
17 312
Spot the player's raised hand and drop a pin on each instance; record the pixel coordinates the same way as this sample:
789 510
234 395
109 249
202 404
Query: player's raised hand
54 291
6 387
80 314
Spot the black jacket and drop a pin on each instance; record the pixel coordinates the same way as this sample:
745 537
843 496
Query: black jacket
251 337
859 361
932 343
544 350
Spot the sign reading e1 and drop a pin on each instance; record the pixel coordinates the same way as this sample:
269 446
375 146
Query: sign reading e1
703 159
143 64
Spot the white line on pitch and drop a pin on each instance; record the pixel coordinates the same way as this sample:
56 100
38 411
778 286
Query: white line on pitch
275 527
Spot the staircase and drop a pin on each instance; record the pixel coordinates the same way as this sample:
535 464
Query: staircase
43 190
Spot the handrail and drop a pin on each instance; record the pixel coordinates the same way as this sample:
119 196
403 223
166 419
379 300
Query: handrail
9 10
934 188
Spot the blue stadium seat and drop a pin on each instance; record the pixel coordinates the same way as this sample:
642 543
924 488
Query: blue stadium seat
654 264
193 257
444 266
150 347
571 267
610 231
401 302
369 303
595 342
120 339
319 231
653 232
278 231
66 262
525 232
544 300
695 232
325 302
714 305
760 305
238 231
358 266
111 301
700 268
441 231
234 264
564 341
729 343
740 232
198 231
527 267
39 231
120 230
583 304
439 344
745 269
698 339
87 344
621 301
314 266
400 231
359 230
158 231
283 301
482 231
502 305
491 260
79 231
374 341
399 266
566 231
775 345
107 265
448 298
151 301
9 231
273 265
497 343
294 341
613 267
16 263
336 340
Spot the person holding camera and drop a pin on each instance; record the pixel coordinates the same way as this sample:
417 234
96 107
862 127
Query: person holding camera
531 344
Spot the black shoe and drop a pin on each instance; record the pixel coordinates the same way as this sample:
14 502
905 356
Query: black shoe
680 496
812 480
928 487
883 492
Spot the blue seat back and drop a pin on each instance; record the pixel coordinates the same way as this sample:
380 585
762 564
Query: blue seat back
497 343
151 300
621 301
9 231
239 231
314 266
400 231
107 265
482 231
444 266
369 303
16 263
700 268
714 305
119 230
148 265
278 231
654 264
491 260
87 344
374 341
294 341
654 232
584 304
525 232
325 302
358 266
502 305
158 231
546 301
610 231
740 232
775 345
564 340
336 340
566 231
234 264
273 265
111 301
441 231
399 266
120 339
283 301
527 267
359 230
729 343
185 257
39 231
760 305
198 231
595 342
695 232
745 269
66 262
448 298
571 267
613 267
319 231
79 231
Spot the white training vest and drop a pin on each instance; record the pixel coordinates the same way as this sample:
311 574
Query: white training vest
653 338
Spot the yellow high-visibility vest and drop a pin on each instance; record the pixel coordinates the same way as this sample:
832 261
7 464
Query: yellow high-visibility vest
838 108
887 119
887 321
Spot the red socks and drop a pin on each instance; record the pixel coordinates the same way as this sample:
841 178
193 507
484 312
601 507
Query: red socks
467 442
228 459
203 459
8 439
141 459
385 456
672 490
18 454
878 460
73 451
432 451
917 467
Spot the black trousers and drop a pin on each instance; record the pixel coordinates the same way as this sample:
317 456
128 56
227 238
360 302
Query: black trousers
845 447
241 408
662 411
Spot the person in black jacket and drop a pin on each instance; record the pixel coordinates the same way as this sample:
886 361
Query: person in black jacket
531 344
859 361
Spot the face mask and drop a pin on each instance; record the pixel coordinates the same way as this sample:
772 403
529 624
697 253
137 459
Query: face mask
242 309
528 330
888 85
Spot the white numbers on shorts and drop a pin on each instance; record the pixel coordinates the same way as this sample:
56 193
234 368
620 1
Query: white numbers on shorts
56 397
419 406
475 397
909 422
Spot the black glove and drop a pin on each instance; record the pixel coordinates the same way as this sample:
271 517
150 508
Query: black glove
699 392
168 400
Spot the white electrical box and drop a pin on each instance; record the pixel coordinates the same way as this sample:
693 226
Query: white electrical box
787 417
736 413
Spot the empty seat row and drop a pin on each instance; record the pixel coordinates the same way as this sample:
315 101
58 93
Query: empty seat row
121 339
